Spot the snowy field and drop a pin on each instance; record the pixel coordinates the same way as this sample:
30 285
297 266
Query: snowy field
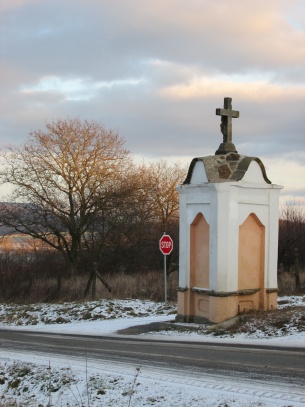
47 380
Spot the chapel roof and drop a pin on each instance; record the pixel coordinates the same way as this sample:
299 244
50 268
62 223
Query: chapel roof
226 167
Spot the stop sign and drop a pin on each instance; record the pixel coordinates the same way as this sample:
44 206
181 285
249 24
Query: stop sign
166 244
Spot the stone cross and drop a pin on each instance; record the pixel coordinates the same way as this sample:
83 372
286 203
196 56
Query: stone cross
226 127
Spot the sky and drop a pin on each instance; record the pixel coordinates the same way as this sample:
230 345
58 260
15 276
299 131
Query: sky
156 71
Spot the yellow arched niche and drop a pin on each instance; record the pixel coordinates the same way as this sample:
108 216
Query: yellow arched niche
251 255
200 252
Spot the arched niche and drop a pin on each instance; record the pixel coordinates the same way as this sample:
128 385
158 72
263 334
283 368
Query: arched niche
251 254
200 252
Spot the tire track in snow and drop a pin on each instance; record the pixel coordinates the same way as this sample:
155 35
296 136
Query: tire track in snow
258 388
228 386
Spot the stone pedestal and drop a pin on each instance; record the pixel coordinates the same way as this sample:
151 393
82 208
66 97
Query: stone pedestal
228 239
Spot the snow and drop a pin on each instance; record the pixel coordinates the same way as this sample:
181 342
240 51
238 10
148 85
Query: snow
33 380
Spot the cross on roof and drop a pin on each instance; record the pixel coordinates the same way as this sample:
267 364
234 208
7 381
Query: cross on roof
226 126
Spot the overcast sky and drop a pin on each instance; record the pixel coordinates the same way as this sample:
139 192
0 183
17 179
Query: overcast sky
156 70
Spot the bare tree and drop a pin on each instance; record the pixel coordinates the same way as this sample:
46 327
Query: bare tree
164 179
154 209
64 176
291 254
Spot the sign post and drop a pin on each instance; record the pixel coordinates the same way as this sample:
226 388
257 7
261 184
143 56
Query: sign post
166 247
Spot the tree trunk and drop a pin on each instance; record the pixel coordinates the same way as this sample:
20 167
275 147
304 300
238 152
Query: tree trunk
297 269
58 284
89 283
93 285
107 286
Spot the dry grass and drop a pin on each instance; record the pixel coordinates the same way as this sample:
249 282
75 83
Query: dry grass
286 283
274 323
32 282
147 285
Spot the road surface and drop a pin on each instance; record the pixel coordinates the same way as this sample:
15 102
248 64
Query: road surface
286 365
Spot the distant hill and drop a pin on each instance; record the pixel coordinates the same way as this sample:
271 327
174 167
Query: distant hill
4 230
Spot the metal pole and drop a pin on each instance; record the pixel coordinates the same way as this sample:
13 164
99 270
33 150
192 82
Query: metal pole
165 282
165 285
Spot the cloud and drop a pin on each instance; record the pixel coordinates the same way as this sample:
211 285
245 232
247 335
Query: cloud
89 38
75 88
242 87
156 71
13 4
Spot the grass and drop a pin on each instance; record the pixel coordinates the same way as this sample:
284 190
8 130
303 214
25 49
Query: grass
34 384
271 323
61 313
146 285
45 279
286 283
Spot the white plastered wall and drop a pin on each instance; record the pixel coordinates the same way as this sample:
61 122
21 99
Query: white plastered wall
225 207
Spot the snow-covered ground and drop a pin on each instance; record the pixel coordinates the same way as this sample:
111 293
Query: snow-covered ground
33 380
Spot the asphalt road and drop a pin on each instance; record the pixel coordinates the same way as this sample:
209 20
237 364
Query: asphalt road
254 362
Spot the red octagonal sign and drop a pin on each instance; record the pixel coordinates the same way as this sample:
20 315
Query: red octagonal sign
166 244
